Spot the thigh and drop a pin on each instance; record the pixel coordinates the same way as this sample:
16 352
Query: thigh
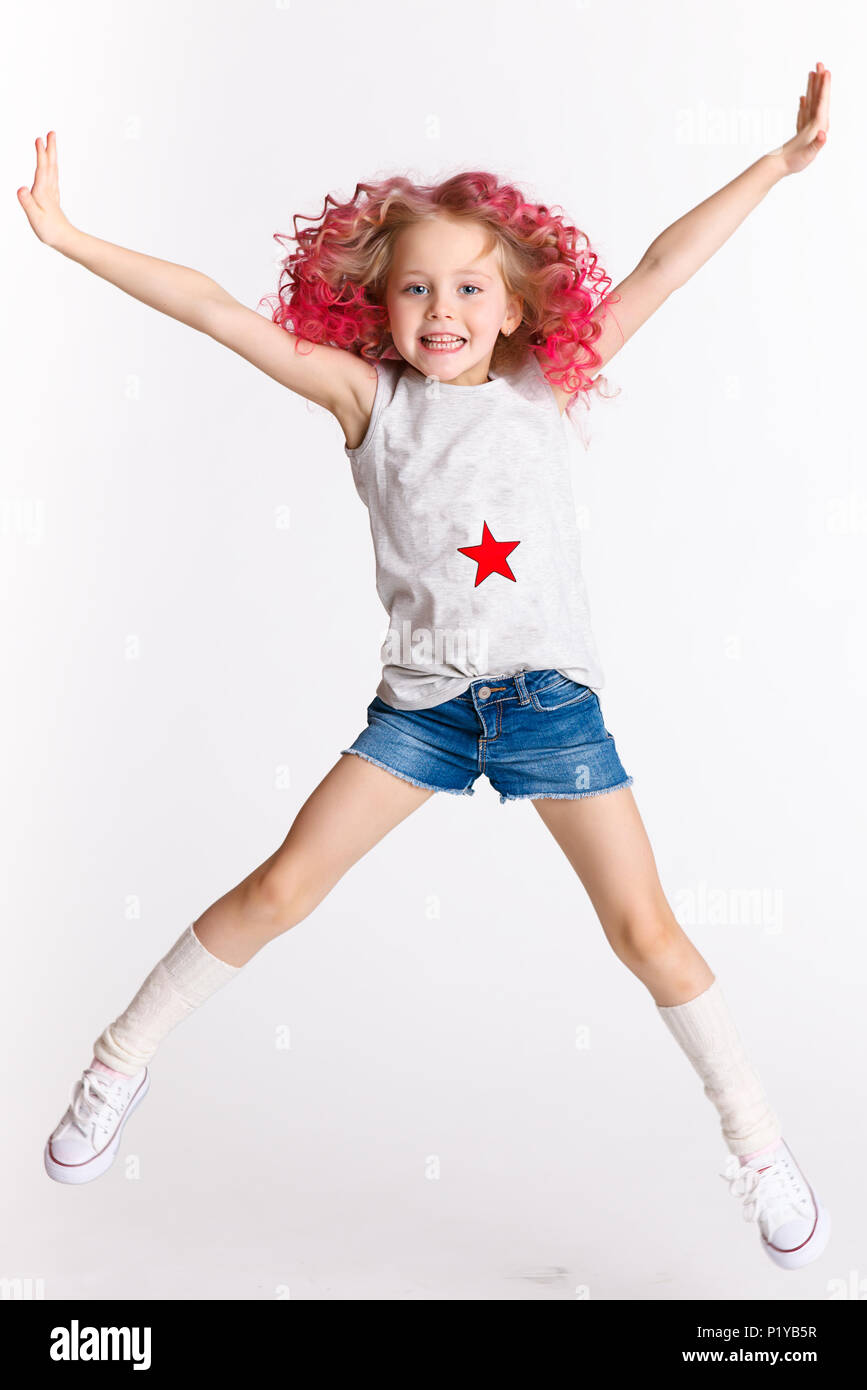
352 809
605 841
354 806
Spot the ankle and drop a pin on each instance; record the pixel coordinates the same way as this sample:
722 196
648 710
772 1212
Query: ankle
97 1065
768 1149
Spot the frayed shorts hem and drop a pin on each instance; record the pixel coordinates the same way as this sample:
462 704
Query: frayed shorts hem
561 796
471 791
453 791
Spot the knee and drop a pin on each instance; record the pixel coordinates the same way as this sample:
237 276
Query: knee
644 935
282 896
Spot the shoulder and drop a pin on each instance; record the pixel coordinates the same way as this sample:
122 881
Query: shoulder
528 378
363 383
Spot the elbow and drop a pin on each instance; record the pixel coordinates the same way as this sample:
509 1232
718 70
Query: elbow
663 271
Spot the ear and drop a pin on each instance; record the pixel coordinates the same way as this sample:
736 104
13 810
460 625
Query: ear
515 312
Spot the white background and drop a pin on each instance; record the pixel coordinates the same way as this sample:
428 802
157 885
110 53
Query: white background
180 671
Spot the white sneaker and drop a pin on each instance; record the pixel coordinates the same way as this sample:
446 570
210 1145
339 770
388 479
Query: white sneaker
793 1225
86 1141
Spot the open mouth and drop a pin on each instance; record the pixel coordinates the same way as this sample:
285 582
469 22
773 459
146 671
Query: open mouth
442 343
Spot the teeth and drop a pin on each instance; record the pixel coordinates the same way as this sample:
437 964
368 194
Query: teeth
441 340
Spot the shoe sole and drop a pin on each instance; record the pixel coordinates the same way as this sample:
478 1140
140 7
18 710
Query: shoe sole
96 1166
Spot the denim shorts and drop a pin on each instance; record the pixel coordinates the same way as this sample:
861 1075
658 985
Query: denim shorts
536 734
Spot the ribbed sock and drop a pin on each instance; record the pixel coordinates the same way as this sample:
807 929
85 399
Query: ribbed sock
185 977
706 1032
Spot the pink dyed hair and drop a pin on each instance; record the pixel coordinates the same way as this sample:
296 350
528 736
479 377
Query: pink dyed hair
332 288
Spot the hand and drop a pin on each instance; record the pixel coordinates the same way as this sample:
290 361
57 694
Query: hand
813 122
42 201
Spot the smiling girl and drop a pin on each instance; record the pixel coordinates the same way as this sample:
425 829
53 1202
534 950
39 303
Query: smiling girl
455 331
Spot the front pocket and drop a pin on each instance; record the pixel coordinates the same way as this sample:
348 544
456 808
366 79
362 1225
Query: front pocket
565 692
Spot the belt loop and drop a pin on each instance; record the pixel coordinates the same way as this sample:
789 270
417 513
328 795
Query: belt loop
523 697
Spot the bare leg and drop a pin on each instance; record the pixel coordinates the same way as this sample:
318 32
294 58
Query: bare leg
605 841
351 810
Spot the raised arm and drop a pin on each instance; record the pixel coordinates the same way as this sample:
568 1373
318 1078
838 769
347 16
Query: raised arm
679 251
337 380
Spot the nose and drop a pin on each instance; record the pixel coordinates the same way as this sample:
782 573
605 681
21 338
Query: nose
438 305
440 323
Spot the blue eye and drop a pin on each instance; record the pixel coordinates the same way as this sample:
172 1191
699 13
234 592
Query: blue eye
463 287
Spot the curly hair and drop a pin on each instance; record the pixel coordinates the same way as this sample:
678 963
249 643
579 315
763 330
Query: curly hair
332 288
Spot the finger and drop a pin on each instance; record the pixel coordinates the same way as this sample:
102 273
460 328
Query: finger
41 163
51 165
29 204
40 179
805 101
825 101
819 114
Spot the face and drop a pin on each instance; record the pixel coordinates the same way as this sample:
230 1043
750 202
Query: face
442 286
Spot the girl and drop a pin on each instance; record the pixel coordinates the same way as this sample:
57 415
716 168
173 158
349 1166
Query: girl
448 328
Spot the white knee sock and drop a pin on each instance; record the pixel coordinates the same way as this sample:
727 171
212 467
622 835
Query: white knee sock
706 1031
178 984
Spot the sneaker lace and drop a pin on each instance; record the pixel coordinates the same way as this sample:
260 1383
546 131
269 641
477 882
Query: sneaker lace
91 1094
772 1194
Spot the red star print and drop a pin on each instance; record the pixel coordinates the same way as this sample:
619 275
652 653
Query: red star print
490 556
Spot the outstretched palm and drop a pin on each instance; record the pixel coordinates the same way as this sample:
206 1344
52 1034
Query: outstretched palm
42 201
813 121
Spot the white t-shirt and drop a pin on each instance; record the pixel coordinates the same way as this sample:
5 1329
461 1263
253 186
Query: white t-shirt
472 513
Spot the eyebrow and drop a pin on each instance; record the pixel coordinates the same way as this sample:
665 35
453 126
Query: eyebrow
464 270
